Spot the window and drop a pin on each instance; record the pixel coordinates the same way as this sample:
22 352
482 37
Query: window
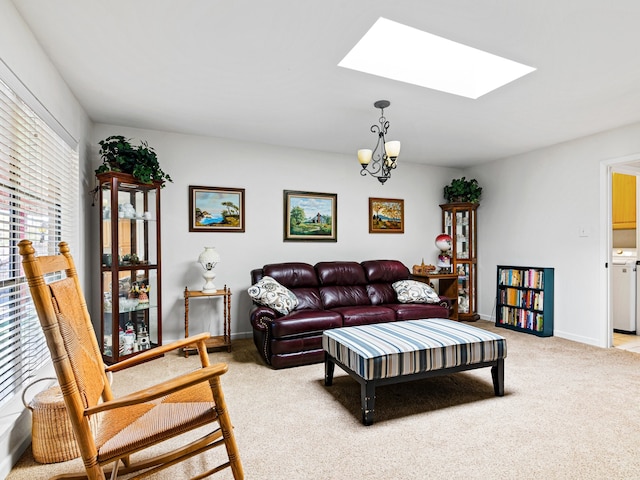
38 201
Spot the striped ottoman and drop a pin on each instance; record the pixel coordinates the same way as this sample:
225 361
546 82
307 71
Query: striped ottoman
387 353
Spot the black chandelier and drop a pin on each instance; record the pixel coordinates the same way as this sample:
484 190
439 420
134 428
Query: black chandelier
381 159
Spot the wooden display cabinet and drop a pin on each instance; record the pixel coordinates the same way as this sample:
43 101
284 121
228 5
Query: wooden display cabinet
130 280
459 222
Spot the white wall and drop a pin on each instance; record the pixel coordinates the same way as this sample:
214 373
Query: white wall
22 55
265 172
532 208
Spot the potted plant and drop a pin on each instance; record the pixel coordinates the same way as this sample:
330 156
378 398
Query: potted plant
463 190
118 155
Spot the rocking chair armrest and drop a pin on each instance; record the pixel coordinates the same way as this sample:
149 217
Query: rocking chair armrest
160 390
155 352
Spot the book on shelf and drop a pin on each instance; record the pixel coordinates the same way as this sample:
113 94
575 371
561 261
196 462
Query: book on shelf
529 299
525 319
529 278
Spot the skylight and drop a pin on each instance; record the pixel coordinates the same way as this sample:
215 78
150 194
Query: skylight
392 50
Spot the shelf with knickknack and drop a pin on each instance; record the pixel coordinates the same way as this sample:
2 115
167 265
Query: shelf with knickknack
525 299
447 286
130 319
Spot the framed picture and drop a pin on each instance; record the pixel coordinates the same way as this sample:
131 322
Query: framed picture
386 215
310 216
215 209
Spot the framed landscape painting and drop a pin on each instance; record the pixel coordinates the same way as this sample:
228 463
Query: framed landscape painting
310 216
386 215
216 209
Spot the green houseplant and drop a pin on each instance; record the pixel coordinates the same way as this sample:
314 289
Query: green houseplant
119 155
463 190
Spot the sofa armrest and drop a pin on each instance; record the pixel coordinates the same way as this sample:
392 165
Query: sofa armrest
261 318
447 303
260 315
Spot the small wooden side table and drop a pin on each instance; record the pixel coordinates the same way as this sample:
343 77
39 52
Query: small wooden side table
447 286
218 341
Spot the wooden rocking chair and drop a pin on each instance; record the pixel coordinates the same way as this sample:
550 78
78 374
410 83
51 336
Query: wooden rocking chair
134 422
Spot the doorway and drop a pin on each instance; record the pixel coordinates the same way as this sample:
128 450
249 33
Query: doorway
623 240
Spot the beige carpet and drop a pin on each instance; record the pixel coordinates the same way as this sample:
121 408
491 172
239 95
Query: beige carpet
570 411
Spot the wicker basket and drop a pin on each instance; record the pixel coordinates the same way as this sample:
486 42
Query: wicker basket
52 438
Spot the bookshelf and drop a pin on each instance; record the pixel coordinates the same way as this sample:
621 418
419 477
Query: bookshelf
525 299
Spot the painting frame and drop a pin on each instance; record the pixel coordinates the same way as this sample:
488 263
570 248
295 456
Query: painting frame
394 206
212 201
297 229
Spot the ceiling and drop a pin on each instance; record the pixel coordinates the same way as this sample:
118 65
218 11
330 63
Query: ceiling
266 71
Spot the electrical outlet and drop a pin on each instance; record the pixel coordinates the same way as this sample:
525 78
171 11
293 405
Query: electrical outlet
583 231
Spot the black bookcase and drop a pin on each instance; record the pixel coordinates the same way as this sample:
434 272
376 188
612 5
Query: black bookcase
525 299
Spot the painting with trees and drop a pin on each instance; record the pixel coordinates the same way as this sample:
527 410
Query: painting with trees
310 216
216 209
386 215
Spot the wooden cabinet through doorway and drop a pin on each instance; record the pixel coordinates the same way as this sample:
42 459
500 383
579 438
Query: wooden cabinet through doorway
623 194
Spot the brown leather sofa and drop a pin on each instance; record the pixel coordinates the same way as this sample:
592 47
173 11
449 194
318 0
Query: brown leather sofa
330 295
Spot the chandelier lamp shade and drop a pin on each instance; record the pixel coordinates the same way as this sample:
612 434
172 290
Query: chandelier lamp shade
383 158
209 258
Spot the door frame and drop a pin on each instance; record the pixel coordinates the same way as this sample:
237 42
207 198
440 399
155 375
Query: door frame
630 165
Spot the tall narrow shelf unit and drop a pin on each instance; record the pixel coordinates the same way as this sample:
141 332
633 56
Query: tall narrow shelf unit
130 280
459 222
525 299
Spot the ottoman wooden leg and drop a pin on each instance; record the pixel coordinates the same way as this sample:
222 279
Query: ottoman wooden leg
368 395
329 367
497 373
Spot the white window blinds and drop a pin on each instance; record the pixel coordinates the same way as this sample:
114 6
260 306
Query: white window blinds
38 201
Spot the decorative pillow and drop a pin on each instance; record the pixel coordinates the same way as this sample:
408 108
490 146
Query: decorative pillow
412 291
268 292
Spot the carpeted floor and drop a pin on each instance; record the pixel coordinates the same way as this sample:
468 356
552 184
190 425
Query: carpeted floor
570 411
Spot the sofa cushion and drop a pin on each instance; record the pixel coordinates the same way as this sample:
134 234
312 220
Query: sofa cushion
346 296
417 311
305 322
381 293
270 293
308 298
340 273
412 291
342 284
363 315
298 277
292 274
385 271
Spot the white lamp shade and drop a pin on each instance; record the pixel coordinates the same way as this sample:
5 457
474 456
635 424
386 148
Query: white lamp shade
209 258
392 148
364 156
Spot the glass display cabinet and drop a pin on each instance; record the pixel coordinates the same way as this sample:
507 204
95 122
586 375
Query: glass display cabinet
130 311
459 222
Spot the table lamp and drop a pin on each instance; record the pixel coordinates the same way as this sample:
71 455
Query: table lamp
209 259
443 242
